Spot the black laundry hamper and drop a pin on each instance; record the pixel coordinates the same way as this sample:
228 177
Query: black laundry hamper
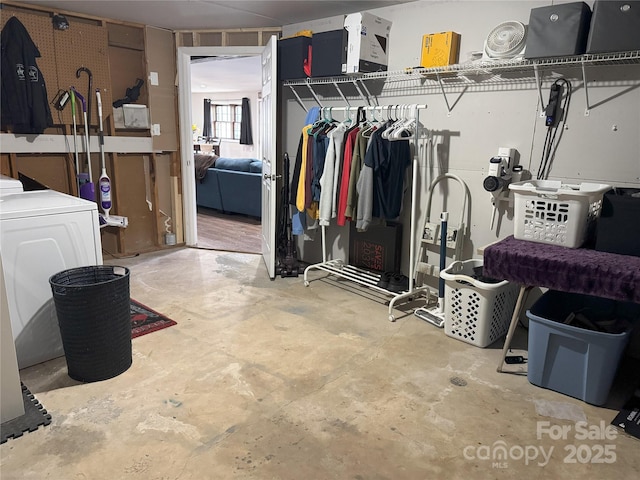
93 308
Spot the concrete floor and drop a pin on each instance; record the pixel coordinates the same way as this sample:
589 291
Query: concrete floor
273 380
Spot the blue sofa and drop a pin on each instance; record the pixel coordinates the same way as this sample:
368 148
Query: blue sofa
232 185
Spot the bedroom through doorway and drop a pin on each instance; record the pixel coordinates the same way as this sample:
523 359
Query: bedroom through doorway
225 96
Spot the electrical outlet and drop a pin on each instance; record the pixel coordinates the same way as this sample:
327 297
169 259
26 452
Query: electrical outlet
155 129
153 78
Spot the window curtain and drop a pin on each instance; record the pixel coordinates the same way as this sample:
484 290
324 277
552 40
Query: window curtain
246 138
206 128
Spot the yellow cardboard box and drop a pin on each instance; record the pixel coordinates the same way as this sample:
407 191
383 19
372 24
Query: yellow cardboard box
440 49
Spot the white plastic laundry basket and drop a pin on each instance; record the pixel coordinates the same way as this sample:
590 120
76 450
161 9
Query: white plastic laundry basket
476 312
548 211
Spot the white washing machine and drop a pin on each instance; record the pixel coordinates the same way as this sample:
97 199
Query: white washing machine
9 185
42 233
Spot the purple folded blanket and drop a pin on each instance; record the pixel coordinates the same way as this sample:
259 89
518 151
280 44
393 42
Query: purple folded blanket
580 270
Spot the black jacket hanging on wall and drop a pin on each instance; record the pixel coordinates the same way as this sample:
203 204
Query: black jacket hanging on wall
25 107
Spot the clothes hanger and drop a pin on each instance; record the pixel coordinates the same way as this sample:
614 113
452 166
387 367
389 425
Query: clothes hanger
319 124
373 125
347 117
395 123
405 130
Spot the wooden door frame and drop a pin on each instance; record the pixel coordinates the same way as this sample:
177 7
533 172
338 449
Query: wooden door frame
186 136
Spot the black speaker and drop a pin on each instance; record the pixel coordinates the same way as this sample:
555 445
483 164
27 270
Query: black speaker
615 26
558 30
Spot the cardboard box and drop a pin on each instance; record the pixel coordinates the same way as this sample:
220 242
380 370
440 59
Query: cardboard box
368 43
440 49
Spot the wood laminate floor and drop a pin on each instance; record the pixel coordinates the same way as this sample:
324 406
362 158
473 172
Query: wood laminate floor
228 232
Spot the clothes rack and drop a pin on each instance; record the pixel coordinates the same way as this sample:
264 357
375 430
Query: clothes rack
340 268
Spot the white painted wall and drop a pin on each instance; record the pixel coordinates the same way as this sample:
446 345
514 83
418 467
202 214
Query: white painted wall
602 147
229 148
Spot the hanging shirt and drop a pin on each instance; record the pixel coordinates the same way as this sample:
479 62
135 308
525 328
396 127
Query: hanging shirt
298 219
326 180
389 161
337 170
300 198
298 222
321 145
359 152
365 188
346 172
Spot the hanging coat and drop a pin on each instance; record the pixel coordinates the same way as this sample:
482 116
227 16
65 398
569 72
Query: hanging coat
25 107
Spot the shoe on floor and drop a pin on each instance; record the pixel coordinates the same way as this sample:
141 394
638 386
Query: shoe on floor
384 280
398 283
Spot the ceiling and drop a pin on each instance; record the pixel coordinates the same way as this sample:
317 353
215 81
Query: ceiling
228 75
213 14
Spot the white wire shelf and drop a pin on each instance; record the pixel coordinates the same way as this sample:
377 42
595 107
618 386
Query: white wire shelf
482 67
471 75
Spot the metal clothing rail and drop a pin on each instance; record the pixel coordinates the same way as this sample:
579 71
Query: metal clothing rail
363 277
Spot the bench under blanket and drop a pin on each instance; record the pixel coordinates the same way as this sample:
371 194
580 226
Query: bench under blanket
579 270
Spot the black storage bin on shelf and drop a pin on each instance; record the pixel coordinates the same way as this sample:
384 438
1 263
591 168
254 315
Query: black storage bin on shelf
329 53
618 227
294 56
615 26
93 307
558 30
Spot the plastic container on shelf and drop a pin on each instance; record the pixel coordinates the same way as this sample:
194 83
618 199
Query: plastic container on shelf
570 359
549 211
477 310
618 227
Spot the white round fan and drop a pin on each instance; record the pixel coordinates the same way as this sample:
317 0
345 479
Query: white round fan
505 41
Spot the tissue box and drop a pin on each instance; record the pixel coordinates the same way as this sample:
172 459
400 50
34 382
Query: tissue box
368 43
440 49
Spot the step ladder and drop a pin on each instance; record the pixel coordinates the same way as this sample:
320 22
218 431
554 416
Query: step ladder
432 237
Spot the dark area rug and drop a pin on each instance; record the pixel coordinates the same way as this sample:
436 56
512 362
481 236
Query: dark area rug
145 320
35 416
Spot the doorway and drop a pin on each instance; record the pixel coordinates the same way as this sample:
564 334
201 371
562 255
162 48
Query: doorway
225 93
188 113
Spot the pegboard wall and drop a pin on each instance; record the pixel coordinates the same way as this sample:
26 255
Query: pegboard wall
83 44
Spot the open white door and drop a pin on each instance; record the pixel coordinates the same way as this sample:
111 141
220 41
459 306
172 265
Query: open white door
268 132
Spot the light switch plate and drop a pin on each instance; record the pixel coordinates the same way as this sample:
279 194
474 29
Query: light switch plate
155 129
153 78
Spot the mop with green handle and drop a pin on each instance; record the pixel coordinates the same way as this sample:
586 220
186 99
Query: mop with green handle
75 138
87 190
